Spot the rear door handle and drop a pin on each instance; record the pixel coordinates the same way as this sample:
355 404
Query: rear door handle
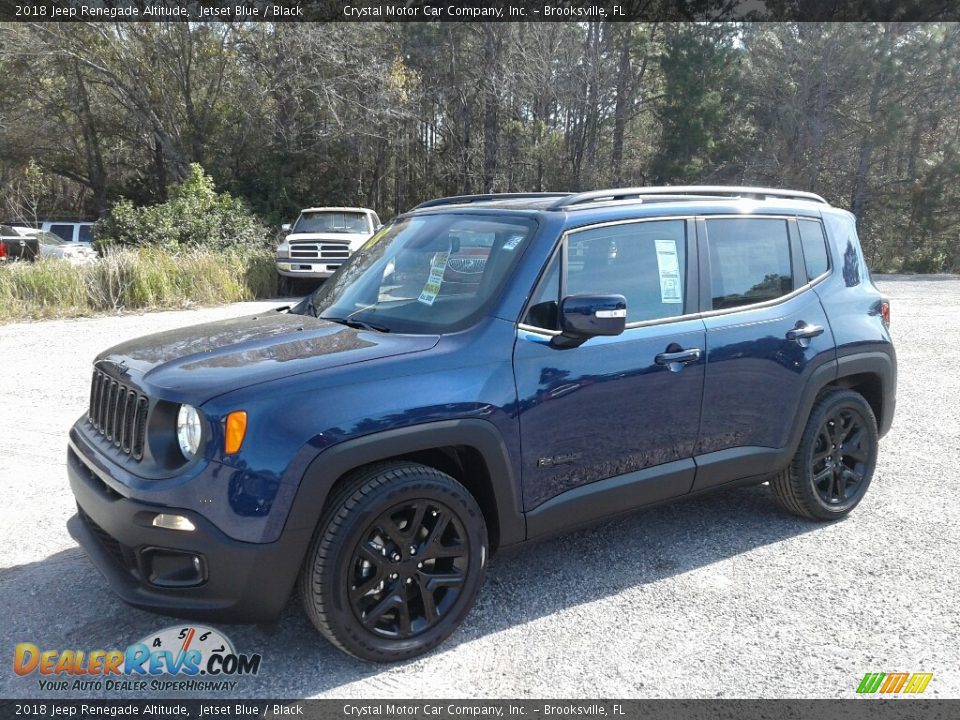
679 357
803 331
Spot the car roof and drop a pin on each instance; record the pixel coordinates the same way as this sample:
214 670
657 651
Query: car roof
338 209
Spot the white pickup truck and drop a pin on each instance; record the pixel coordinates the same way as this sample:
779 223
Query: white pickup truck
320 241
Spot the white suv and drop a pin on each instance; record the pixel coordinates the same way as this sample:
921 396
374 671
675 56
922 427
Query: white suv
70 231
321 240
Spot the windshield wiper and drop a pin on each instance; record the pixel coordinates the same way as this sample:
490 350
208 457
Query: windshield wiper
359 324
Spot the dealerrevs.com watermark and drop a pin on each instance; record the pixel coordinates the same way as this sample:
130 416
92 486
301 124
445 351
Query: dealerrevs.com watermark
178 658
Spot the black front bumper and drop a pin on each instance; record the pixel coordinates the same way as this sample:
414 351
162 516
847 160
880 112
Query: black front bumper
244 582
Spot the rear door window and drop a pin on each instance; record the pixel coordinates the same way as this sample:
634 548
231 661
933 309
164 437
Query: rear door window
86 233
749 261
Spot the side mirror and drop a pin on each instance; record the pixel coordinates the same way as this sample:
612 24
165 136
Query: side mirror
585 316
285 227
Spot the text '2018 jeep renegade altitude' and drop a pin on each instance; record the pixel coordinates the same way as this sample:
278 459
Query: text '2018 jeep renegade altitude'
484 371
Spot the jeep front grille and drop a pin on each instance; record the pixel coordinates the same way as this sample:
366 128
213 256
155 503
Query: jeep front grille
118 413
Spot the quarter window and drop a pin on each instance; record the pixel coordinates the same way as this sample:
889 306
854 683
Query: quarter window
543 312
749 261
644 261
814 248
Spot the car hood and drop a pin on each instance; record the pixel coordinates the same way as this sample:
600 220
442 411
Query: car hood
202 361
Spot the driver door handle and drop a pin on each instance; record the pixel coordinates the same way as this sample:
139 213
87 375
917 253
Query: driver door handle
680 356
803 331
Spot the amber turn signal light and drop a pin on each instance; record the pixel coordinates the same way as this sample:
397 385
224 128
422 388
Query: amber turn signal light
236 429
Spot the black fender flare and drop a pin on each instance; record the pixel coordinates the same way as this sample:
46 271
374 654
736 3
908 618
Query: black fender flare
882 364
333 462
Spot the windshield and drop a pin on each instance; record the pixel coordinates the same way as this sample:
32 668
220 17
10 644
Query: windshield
332 222
432 273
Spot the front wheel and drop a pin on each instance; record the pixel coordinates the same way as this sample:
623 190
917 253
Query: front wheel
834 464
396 563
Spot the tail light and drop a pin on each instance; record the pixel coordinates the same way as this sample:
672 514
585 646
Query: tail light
885 313
3 250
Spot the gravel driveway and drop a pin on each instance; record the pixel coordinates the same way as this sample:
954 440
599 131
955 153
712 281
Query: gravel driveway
718 596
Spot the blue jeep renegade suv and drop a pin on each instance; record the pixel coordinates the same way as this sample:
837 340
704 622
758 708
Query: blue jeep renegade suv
484 371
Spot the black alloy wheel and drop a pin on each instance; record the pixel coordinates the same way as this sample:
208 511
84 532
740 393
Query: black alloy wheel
409 569
396 562
834 463
840 456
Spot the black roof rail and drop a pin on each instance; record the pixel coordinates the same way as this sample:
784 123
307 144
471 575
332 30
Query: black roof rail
683 192
465 199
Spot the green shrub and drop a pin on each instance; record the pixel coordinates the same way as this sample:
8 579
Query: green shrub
929 260
195 215
135 279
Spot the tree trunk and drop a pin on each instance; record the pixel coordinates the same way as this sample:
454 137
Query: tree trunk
861 179
491 110
624 93
96 173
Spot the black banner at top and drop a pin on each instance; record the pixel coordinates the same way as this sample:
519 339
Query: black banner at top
476 10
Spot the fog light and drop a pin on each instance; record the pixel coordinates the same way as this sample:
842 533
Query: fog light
173 568
173 522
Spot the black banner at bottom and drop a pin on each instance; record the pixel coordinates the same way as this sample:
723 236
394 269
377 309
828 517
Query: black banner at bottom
853 709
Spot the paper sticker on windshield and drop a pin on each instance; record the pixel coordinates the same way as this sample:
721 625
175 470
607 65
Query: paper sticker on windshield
512 242
669 266
432 287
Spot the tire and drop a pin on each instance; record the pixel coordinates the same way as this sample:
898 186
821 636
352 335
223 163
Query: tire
284 286
818 484
396 562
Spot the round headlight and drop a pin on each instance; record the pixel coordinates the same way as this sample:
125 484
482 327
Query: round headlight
188 430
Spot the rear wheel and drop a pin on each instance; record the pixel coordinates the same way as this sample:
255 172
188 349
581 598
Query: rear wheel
834 464
396 562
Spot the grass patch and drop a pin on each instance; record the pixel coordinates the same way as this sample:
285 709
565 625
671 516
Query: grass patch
134 279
